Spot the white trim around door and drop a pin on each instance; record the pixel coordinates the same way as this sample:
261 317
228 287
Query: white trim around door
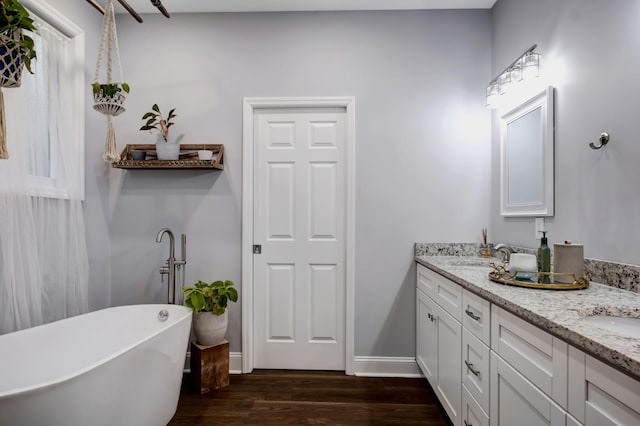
250 105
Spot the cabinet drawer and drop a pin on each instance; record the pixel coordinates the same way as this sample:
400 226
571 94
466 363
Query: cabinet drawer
475 368
443 291
426 280
472 413
477 316
535 353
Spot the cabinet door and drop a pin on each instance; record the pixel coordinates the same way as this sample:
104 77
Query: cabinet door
475 368
535 353
426 336
516 401
612 398
449 376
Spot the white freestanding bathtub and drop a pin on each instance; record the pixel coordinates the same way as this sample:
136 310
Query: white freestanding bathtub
116 366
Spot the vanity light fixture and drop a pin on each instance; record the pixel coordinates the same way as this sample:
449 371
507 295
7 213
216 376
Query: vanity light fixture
525 68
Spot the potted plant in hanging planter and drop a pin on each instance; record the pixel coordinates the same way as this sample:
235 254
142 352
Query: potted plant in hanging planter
209 304
165 150
109 98
16 48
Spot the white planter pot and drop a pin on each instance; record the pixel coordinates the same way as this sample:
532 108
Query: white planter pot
209 328
167 150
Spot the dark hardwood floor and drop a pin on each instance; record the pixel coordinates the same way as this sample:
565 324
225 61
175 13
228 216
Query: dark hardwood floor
269 397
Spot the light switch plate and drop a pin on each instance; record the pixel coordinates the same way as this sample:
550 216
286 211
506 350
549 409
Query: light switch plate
539 227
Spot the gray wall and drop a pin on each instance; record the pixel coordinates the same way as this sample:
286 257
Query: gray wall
591 55
423 143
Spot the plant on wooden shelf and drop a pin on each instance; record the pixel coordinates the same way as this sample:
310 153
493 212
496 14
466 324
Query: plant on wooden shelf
16 48
209 305
156 121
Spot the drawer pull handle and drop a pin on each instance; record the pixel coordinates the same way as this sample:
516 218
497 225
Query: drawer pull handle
467 424
470 368
431 317
472 315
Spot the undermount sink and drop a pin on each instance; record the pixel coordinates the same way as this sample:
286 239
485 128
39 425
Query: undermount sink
627 326
474 261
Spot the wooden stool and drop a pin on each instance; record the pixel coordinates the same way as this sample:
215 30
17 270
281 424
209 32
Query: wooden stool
209 366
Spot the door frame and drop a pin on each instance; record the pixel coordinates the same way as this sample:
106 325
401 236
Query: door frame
250 105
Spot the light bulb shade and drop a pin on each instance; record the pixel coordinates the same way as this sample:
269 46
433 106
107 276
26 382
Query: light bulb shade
493 94
516 72
504 82
531 66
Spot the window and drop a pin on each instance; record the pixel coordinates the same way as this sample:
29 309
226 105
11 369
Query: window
54 126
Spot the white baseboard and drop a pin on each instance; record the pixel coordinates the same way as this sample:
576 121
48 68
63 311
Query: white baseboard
384 366
363 366
235 363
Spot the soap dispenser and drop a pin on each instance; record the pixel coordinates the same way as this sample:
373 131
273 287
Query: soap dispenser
544 259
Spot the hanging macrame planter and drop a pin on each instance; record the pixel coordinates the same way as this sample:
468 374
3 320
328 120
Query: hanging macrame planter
109 97
11 64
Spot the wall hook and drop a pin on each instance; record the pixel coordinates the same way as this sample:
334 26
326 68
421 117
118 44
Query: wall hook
604 139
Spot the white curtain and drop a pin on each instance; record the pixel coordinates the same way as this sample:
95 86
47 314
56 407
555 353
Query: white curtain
43 255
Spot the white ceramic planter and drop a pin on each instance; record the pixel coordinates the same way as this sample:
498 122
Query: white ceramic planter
209 328
167 150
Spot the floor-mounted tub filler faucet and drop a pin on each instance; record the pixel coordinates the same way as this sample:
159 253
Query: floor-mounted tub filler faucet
173 267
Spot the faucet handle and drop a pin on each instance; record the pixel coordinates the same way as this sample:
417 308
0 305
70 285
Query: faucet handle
164 270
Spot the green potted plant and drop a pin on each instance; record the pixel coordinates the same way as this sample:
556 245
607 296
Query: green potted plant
16 47
209 305
165 150
109 98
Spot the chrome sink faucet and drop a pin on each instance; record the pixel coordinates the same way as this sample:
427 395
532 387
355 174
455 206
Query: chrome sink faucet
172 264
503 251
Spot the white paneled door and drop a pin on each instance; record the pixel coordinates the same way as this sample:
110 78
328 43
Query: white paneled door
299 224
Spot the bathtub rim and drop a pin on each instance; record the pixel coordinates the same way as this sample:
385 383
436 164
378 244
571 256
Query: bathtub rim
65 378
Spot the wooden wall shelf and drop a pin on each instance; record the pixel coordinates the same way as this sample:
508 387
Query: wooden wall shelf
188 158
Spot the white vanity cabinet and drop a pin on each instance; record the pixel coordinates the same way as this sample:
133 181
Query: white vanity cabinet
488 366
439 339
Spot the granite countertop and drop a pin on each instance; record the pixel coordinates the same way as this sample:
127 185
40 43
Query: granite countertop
557 312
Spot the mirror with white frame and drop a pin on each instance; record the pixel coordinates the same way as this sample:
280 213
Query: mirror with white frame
526 157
